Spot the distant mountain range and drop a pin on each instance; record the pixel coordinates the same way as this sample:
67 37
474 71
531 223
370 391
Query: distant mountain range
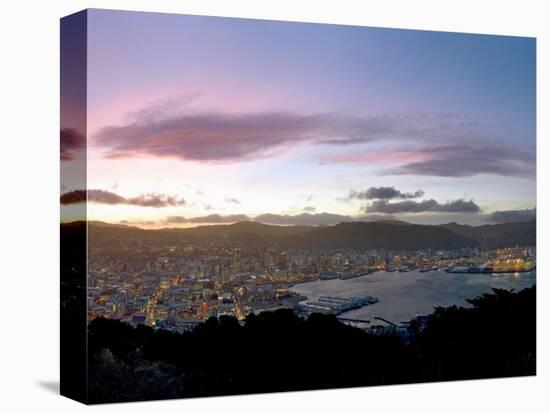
388 234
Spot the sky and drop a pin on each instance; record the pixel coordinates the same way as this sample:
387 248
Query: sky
197 120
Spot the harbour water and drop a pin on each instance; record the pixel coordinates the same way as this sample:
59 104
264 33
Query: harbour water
404 295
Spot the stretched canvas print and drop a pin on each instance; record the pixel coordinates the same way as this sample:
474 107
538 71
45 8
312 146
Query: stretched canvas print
254 206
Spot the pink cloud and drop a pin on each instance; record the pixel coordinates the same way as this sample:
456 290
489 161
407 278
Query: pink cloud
378 157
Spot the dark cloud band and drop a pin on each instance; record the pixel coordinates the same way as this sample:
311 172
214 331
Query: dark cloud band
383 193
107 197
71 141
409 206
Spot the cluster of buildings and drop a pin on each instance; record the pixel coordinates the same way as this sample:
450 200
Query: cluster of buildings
176 287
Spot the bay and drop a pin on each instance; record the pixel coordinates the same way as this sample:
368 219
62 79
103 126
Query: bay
402 296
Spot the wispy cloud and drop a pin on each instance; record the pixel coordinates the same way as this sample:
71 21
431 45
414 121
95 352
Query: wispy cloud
423 144
232 200
162 131
215 136
383 157
107 197
462 160
468 160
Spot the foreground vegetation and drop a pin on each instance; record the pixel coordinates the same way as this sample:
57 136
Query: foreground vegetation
279 351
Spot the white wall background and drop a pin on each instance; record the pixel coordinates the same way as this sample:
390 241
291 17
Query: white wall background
29 200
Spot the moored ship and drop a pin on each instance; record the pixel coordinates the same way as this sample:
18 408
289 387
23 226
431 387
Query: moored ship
352 275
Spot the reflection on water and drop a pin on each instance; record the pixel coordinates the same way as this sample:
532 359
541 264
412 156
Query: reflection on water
403 295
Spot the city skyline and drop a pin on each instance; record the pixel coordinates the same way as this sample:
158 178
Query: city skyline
195 118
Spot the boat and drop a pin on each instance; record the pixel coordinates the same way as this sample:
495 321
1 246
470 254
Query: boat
328 275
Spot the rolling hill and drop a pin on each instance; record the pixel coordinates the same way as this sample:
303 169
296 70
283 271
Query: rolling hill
493 236
379 235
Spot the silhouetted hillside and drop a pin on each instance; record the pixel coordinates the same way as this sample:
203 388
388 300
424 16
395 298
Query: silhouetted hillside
376 235
494 236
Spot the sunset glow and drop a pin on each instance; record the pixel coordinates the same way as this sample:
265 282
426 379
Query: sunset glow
242 118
